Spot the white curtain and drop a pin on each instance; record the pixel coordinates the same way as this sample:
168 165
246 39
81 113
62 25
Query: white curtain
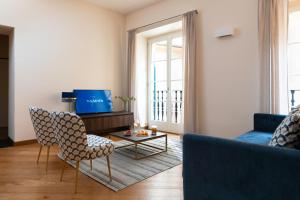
191 88
131 66
141 90
273 32
137 75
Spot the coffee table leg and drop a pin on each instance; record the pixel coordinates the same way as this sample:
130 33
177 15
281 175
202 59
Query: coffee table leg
166 143
135 150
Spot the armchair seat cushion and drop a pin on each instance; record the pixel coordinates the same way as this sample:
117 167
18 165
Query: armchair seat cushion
255 137
98 146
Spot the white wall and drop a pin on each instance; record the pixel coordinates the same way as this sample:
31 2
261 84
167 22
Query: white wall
230 81
59 45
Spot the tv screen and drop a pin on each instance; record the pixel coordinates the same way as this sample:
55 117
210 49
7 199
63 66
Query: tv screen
93 101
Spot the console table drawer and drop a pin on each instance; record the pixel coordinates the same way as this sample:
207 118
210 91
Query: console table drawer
108 122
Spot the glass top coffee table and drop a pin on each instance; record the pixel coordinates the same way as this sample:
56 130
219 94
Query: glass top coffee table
138 140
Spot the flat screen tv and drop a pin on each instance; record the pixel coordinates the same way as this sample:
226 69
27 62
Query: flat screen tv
93 101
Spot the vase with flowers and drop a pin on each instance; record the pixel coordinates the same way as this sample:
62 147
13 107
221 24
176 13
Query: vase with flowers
126 101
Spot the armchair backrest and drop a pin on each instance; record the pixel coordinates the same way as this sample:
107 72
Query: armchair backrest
42 124
71 135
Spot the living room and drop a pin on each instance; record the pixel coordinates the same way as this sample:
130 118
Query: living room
142 78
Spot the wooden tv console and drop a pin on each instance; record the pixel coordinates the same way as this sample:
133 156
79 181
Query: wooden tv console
108 122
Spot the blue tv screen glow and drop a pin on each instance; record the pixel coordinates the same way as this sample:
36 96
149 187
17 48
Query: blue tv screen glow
93 101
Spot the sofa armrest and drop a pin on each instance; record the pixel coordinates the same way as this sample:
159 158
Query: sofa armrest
267 122
215 168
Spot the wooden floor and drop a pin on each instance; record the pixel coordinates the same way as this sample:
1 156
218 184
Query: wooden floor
21 178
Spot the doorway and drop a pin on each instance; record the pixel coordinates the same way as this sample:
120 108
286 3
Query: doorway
166 82
4 89
158 77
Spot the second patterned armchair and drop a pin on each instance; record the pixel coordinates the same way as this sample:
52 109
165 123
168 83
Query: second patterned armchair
76 145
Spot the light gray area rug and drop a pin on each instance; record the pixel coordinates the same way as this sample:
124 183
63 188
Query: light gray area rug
127 171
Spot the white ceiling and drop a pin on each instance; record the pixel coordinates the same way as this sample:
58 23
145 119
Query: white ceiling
124 6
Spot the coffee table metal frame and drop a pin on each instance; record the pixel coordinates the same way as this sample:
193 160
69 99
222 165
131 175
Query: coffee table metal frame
141 141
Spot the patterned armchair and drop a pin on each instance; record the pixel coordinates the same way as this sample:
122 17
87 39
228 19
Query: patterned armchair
76 145
42 124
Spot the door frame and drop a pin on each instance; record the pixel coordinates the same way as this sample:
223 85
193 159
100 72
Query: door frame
178 128
10 31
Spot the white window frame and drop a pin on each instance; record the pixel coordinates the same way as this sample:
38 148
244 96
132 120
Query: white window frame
163 126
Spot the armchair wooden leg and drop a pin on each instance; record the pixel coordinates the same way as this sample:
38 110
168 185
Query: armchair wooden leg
41 147
64 162
108 165
91 164
76 178
48 150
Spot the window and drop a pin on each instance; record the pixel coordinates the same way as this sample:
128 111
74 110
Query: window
166 82
294 58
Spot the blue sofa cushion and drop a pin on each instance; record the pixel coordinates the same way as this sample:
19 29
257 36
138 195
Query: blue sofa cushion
255 137
267 122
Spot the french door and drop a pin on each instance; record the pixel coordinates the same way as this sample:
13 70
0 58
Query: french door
165 85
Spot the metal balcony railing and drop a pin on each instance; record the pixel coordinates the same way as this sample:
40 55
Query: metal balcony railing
160 108
294 98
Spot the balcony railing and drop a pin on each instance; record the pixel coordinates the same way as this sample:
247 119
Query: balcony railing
294 98
160 108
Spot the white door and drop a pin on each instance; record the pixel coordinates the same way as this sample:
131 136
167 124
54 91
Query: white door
166 83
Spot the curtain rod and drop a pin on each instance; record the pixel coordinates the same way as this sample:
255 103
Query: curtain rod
196 11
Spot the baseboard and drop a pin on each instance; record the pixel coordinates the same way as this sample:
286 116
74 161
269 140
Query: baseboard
25 142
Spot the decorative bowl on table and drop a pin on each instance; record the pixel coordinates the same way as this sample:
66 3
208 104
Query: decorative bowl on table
142 133
127 133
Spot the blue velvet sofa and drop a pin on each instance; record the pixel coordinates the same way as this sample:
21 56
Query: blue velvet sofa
244 168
